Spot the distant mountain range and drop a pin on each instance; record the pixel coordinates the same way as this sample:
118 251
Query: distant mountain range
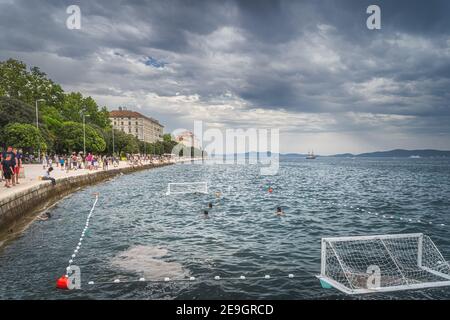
397 153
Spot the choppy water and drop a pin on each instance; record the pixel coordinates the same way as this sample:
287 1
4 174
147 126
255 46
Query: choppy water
137 230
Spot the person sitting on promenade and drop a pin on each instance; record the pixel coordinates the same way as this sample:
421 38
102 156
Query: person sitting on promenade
48 177
8 170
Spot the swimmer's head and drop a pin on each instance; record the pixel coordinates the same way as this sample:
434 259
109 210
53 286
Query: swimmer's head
217 194
279 209
205 212
210 205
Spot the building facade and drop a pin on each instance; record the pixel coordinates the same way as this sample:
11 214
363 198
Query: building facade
188 139
144 128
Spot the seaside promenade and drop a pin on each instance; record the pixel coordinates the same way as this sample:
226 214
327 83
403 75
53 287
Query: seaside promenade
34 171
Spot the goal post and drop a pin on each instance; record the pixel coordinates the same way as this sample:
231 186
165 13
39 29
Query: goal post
187 187
382 263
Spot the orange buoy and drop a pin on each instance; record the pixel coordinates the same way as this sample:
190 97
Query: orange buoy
63 283
270 190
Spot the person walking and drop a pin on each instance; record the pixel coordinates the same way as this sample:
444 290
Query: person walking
17 165
8 170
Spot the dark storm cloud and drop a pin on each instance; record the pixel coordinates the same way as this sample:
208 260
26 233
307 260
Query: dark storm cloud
316 57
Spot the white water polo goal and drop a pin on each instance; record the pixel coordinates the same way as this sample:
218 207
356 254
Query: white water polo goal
382 263
187 187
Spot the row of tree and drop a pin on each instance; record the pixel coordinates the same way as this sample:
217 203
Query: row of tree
60 115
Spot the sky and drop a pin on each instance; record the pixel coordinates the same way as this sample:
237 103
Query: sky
311 69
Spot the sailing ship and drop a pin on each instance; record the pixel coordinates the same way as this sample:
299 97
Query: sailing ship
311 156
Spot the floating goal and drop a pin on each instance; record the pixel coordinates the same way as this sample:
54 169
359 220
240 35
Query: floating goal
187 187
356 265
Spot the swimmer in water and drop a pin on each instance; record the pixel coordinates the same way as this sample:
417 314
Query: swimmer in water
210 205
279 212
218 194
44 216
205 214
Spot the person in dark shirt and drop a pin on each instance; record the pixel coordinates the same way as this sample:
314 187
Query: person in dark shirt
8 170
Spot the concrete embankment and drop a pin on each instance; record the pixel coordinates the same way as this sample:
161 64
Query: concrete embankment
17 209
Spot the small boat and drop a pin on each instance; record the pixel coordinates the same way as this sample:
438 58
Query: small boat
311 156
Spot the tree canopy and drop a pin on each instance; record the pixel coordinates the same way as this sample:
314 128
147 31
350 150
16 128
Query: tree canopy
60 117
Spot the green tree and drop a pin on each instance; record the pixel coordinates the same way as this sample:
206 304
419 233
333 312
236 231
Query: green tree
28 86
13 110
24 136
70 138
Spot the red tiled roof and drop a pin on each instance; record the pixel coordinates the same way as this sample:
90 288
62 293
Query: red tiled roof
131 114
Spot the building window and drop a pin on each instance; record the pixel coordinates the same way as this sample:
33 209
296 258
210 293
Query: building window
129 123
137 123
137 130
129 130
122 123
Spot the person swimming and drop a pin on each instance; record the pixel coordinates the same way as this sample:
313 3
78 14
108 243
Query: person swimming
279 212
210 205
45 216
205 214
218 194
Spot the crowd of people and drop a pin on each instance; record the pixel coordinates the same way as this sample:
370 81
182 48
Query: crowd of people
12 161
10 164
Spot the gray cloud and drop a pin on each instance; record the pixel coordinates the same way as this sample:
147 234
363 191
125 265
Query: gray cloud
293 59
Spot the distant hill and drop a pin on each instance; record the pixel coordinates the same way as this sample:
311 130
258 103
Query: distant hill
399 153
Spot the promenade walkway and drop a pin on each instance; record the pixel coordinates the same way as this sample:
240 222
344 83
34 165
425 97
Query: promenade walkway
33 171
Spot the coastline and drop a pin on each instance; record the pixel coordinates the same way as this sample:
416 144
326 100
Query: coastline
18 210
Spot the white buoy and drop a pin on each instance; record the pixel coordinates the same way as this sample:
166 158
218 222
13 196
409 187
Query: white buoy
117 281
167 279
91 282
192 278
242 277
141 279
216 278
266 276
70 261
73 256
291 275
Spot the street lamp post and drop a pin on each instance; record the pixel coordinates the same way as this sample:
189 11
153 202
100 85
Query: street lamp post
37 126
113 141
84 134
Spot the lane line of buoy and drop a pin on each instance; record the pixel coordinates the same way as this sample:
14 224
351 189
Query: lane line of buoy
193 279
63 282
378 214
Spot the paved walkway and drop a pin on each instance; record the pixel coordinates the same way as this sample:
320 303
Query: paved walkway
33 171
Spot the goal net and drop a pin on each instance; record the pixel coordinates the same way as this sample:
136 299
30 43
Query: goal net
356 265
187 187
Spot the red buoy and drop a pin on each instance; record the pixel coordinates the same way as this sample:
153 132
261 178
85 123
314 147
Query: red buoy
62 283
270 190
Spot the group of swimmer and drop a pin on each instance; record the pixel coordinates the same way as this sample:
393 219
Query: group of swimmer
279 211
